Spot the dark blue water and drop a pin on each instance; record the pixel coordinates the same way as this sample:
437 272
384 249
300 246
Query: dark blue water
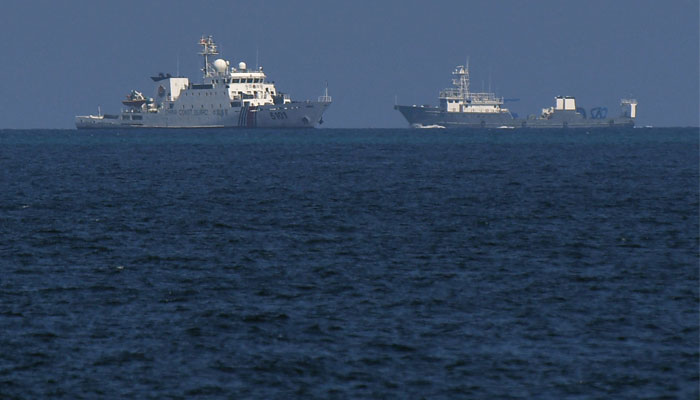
349 264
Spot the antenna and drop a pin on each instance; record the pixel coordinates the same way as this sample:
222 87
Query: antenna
325 98
209 49
465 80
177 70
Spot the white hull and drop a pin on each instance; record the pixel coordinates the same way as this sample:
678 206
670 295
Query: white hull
290 115
228 97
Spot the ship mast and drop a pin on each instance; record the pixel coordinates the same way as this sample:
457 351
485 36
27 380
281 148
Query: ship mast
208 49
461 80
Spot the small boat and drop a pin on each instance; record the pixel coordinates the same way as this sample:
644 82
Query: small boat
135 99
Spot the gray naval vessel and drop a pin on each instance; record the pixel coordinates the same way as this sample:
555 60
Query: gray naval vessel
228 97
461 108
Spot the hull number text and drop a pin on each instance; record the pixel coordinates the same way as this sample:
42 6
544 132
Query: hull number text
278 115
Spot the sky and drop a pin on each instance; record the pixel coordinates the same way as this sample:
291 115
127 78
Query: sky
66 58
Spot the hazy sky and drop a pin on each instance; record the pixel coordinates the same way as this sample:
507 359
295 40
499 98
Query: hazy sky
64 58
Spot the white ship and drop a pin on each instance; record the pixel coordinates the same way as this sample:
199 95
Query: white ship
228 97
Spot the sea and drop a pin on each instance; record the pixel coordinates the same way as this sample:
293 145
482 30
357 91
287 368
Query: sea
349 264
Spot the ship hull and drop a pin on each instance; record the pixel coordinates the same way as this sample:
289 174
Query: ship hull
422 116
306 114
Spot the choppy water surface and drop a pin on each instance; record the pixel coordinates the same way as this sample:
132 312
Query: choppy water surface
349 264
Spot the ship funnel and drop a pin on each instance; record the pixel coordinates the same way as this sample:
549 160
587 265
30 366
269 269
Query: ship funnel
569 103
565 103
559 103
629 108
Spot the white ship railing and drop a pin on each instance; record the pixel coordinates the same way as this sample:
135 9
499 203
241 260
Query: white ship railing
481 98
325 98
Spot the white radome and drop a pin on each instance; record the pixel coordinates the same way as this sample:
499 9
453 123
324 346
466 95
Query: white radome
220 65
241 65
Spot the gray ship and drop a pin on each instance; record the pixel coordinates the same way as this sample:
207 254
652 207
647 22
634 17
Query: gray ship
228 97
461 108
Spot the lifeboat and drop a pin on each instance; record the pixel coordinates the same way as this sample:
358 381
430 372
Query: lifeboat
134 99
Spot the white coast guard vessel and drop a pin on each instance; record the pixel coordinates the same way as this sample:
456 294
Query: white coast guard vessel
227 97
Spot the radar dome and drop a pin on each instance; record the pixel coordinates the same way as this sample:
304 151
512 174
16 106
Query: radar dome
220 65
241 65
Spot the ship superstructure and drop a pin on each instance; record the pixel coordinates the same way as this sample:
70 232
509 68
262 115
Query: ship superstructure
227 97
460 108
460 99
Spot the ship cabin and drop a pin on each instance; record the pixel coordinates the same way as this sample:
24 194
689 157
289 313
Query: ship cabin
223 87
460 100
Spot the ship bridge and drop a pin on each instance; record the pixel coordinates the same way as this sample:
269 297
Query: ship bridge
460 99
223 86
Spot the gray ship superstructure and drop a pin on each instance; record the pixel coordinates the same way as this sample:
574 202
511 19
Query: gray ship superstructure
460 108
227 97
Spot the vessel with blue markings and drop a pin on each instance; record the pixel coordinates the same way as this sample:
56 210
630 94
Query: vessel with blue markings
228 97
460 108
